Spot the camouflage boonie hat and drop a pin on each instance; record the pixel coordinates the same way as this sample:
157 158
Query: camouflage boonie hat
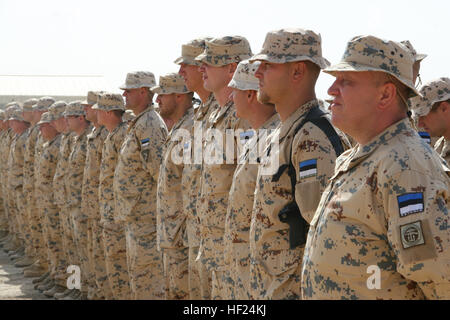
16 114
369 53
28 104
170 83
91 98
139 79
43 104
191 50
109 102
432 92
46 117
57 109
10 109
290 45
128 115
74 108
225 50
417 56
244 76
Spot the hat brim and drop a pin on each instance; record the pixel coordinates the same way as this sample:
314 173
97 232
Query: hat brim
321 62
344 66
187 60
125 87
243 85
420 56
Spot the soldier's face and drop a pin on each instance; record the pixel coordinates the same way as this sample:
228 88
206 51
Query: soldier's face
91 114
215 78
167 104
355 95
273 78
102 117
47 130
28 116
192 76
60 124
133 97
436 121
240 99
73 122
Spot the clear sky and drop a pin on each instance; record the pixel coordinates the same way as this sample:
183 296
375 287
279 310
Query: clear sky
111 38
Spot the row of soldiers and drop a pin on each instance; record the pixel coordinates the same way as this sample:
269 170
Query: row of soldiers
166 208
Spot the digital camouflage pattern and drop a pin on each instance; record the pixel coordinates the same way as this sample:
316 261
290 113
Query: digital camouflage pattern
113 232
139 79
244 76
170 83
225 50
417 56
43 104
442 147
109 102
135 182
191 50
431 93
369 53
275 269
28 104
292 44
237 222
171 220
403 230
90 205
199 277
48 209
74 184
215 185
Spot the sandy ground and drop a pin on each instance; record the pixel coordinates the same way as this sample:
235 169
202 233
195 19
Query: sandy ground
13 285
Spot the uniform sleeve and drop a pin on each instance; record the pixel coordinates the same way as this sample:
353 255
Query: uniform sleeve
418 230
313 158
151 140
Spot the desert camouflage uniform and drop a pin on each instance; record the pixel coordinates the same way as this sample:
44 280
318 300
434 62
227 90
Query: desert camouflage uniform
74 182
4 225
61 195
171 216
199 277
49 211
237 222
135 181
410 247
275 269
442 147
97 279
113 232
9 135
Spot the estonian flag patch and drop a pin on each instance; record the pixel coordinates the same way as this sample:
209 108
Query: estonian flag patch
410 203
308 168
425 136
145 142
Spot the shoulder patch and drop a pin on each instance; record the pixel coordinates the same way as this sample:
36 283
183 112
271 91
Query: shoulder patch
425 136
308 168
412 235
410 203
145 142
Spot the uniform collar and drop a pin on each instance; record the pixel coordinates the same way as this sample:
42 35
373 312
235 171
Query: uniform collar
359 153
223 110
298 114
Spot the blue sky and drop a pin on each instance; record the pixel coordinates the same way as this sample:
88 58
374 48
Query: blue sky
110 38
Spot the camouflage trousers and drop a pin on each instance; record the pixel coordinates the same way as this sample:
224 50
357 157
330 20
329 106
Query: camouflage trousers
68 241
15 219
144 261
277 277
98 262
24 223
199 277
3 214
35 221
176 270
58 262
115 248
81 230
237 274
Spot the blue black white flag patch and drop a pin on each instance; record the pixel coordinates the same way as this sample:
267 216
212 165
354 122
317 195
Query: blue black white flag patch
425 136
145 142
410 203
308 168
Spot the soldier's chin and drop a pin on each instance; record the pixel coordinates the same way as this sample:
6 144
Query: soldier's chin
263 98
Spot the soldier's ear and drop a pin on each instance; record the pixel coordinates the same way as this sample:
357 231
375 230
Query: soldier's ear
298 70
232 68
387 95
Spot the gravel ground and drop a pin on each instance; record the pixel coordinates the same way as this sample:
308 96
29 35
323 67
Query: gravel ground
13 285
